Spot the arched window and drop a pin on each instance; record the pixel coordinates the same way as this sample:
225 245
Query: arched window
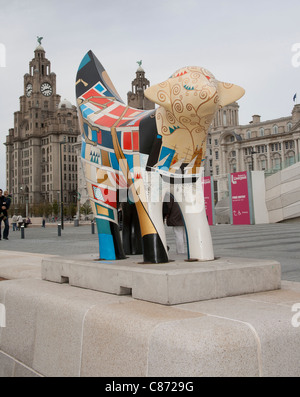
289 126
261 132
277 162
262 163
290 158
275 129
232 166
248 134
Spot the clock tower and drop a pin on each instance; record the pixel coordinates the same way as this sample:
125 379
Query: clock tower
41 160
40 82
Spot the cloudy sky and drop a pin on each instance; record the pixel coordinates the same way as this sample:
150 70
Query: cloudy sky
244 42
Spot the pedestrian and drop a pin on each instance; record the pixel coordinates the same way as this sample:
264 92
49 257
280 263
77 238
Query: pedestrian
14 221
173 217
19 222
44 222
1 211
4 213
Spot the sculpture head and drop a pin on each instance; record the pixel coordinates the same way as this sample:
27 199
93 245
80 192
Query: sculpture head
193 95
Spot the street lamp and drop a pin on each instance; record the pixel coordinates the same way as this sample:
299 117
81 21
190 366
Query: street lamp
61 185
252 158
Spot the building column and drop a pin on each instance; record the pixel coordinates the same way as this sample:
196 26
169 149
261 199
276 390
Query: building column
297 146
223 160
269 162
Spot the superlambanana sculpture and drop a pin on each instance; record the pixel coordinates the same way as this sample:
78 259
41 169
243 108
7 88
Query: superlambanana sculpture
147 153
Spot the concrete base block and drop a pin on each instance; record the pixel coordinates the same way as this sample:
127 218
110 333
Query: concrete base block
58 330
170 283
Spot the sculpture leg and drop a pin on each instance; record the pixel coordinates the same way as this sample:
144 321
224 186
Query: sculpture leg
131 232
191 201
155 212
110 244
149 210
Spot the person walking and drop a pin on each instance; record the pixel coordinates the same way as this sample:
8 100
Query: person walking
19 222
5 207
1 210
14 221
173 216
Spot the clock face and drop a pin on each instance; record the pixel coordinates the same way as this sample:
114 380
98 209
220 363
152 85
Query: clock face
28 90
46 89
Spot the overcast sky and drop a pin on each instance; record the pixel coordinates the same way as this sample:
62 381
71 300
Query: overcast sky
244 42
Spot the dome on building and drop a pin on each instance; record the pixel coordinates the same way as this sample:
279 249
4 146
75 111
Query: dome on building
65 103
39 48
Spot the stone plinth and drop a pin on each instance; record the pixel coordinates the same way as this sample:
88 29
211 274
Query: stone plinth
170 283
57 330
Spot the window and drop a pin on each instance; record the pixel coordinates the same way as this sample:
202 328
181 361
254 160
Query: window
290 160
261 132
289 145
275 129
224 118
276 163
249 134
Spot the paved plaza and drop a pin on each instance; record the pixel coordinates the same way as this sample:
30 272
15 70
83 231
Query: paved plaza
273 241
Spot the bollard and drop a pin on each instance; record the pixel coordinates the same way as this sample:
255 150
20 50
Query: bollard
22 231
59 229
93 227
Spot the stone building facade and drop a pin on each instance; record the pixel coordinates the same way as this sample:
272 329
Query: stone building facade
45 141
39 149
259 146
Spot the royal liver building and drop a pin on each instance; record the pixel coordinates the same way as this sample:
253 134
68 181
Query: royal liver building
40 158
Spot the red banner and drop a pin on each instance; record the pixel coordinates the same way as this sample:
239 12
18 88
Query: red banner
208 199
240 205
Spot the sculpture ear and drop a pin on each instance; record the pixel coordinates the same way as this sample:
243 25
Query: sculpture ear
160 94
229 93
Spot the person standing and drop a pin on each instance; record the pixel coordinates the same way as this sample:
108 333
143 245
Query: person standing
19 222
1 210
5 207
14 221
173 216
